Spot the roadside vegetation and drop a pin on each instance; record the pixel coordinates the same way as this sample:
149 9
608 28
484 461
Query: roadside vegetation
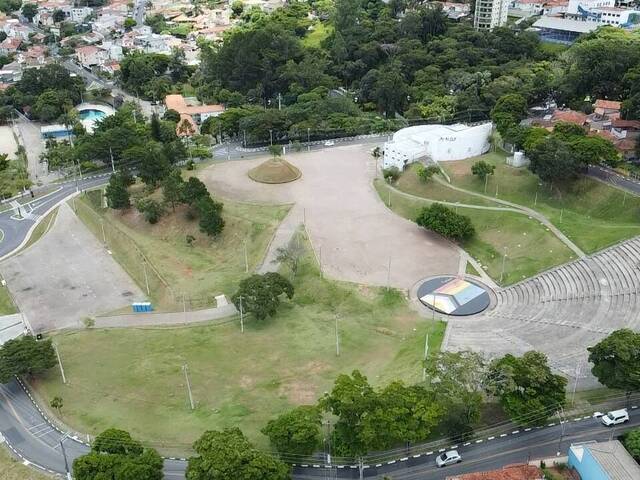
13 469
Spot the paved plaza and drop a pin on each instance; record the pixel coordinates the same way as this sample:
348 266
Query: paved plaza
67 276
353 233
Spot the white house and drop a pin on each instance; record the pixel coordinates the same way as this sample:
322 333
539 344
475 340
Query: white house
439 143
90 56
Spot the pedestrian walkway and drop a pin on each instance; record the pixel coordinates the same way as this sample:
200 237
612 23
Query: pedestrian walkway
281 239
218 315
11 326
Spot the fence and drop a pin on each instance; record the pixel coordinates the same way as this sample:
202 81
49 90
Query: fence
131 257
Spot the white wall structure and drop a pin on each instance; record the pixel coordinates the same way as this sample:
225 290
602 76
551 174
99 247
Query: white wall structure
490 14
589 4
439 143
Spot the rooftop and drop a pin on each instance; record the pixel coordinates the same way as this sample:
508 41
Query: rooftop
564 24
613 458
510 472
609 104
186 106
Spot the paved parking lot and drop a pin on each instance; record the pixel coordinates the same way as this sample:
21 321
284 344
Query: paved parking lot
350 228
67 276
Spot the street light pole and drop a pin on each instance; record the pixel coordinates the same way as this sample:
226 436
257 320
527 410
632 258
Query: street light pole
561 429
241 316
504 258
308 139
271 136
64 455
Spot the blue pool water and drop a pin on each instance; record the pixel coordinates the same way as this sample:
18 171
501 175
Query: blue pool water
92 114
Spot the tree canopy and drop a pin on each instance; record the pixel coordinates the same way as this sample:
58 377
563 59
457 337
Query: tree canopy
260 294
616 360
25 356
296 431
446 222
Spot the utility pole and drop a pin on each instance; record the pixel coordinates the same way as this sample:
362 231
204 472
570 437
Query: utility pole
64 454
486 179
561 429
575 383
113 167
561 212
271 136
104 237
426 352
184 307
246 258
244 139
308 139
146 278
64 378
504 258
337 338
185 369
241 316
279 101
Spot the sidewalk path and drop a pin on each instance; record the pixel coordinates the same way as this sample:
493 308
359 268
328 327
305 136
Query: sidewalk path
281 239
220 315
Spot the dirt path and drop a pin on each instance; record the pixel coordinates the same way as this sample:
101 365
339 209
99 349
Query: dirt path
351 230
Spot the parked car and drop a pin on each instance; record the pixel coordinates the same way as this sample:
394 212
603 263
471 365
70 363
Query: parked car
615 417
329 143
448 458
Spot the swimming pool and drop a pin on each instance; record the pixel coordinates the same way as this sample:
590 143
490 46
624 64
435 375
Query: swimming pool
91 114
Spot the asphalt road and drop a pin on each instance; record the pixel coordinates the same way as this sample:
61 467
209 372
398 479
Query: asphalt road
16 222
614 178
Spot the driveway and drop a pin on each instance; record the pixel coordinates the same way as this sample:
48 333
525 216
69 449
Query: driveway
67 276
352 231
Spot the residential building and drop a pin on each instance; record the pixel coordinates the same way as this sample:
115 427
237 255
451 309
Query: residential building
603 461
490 14
9 45
562 30
607 108
11 73
510 472
576 5
191 110
35 56
90 56
569 116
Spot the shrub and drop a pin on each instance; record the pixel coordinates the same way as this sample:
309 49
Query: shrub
425 173
151 209
446 222
391 174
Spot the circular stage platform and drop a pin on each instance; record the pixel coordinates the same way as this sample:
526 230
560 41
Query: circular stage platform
454 295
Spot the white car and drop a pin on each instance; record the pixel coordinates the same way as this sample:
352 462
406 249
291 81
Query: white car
615 417
329 143
448 458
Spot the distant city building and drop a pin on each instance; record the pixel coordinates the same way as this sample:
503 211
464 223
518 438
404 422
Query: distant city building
490 14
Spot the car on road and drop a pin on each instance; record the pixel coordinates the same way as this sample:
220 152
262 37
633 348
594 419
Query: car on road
615 417
329 143
448 458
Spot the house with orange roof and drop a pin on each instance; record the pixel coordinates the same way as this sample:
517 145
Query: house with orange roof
191 110
606 108
569 116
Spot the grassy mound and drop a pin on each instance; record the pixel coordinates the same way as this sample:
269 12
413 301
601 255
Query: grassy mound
275 170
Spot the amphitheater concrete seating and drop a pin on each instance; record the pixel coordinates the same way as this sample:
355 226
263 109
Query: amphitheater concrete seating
559 312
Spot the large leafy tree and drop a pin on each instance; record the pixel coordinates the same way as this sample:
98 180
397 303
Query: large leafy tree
115 455
228 455
616 360
296 431
508 111
117 192
374 420
211 221
632 443
260 294
553 161
458 380
25 356
528 391
153 166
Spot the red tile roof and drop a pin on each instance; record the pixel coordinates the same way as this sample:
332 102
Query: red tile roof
608 104
626 124
510 472
569 116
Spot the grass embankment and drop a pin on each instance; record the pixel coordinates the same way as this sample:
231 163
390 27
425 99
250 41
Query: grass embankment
132 378
320 31
43 227
200 270
592 214
12 469
529 246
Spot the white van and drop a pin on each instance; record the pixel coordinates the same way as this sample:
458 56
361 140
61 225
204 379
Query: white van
615 417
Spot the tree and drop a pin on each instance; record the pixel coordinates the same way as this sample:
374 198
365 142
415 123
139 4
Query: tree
228 455
29 10
425 173
261 294
237 7
172 116
391 174
446 222
632 443
115 455
595 150
528 391
616 360
290 255
173 188
194 190
153 165
56 403
509 110
457 379
117 193
129 23
553 161
25 356
211 221
482 169
150 208
296 431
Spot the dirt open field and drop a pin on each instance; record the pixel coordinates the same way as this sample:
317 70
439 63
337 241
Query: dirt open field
351 230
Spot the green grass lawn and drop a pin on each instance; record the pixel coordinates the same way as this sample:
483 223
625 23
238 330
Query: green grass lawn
206 268
320 31
12 469
592 214
43 227
529 246
132 378
6 303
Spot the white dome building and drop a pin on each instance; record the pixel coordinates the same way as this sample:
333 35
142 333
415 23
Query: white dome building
439 143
